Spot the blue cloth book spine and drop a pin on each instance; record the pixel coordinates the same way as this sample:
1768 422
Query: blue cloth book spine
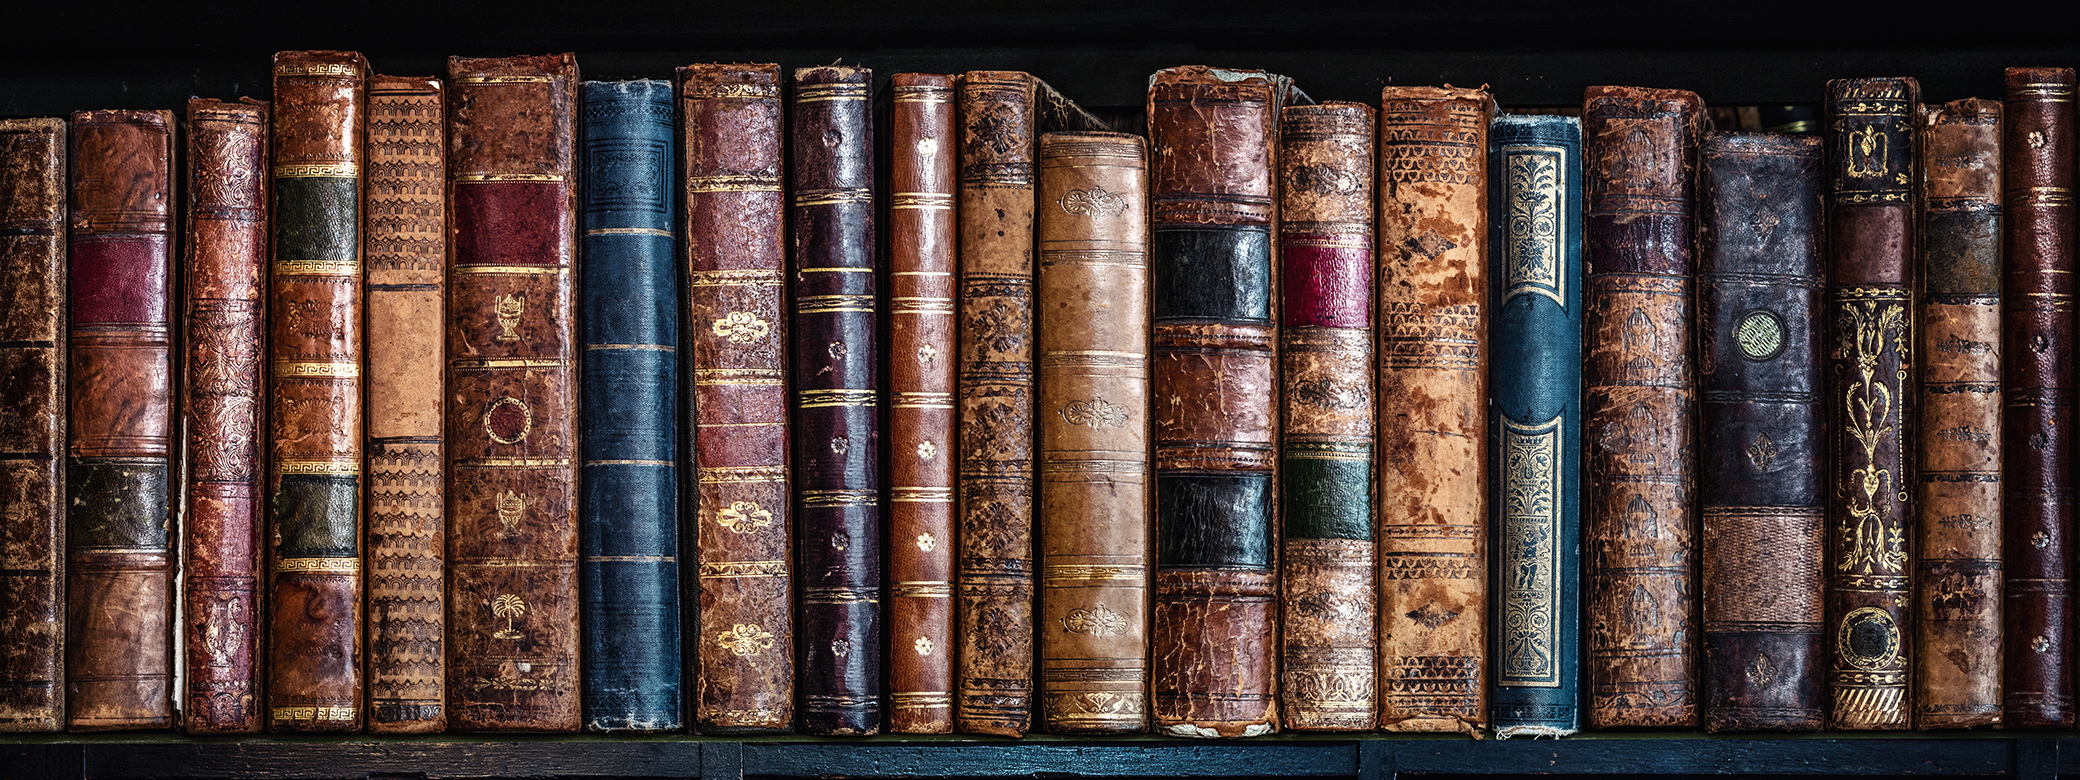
1535 423
628 520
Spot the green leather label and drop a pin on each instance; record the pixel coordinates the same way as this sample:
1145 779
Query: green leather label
317 218
116 505
317 516
1328 491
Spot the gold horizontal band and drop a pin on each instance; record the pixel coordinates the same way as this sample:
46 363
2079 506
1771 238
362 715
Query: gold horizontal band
737 278
727 91
642 347
728 570
836 269
739 382
841 498
629 232
312 713
903 398
804 98
523 79
318 69
1068 573
920 495
841 595
927 201
325 565
828 197
481 364
732 183
486 178
317 171
511 270
936 589
922 273
332 468
921 701
740 475
299 368
514 463
317 268
725 373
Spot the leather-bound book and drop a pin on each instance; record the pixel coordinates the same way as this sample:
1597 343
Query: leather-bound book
1639 387
119 541
407 246
921 361
2037 373
1957 601
1535 423
32 424
1213 135
1329 635
512 395
837 442
736 256
221 386
1762 487
1095 495
1870 246
1433 386
628 515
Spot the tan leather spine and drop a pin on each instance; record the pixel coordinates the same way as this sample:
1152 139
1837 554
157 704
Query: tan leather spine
1433 381
1093 409
407 246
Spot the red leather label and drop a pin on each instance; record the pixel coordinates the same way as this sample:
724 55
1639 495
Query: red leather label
512 223
119 279
1327 286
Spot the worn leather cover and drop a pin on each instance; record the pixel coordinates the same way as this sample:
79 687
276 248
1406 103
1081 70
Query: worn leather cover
1328 638
1095 500
1433 373
921 360
1639 392
512 395
1214 135
1535 423
119 541
1871 241
1761 488
2037 374
994 570
743 634
628 516
225 316
837 445
32 424
1957 662
406 240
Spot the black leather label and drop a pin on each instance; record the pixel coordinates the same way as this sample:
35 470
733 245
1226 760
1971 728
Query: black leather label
1212 273
1213 520
116 505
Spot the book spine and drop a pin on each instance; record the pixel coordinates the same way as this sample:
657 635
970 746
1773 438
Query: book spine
2037 376
1871 239
994 575
921 362
1095 496
1329 638
628 516
226 320
1433 373
32 424
407 246
837 446
736 259
1213 134
1640 383
512 395
1957 606
1535 423
119 530
1762 487
315 394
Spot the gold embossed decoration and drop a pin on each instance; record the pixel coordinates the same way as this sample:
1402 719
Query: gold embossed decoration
508 420
1530 636
741 327
1094 202
512 507
508 309
1532 224
1871 413
743 517
1760 335
745 640
1095 413
509 607
1096 621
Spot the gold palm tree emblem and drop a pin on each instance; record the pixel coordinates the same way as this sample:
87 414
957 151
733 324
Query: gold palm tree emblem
508 606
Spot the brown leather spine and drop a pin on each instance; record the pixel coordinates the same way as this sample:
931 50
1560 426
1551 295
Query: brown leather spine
1093 409
512 395
994 575
315 486
32 424
1213 135
921 362
407 244
1639 394
119 569
1433 375
1957 661
226 340
2038 346
1871 240
743 667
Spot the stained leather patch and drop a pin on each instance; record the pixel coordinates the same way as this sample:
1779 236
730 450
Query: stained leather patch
1213 520
1327 286
1215 273
511 222
1971 241
116 505
317 218
1328 499
315 515
119 279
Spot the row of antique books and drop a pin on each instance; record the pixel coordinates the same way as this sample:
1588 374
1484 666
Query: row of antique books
967 414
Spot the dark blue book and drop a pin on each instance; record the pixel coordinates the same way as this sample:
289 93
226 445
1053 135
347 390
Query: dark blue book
1536 423
628 516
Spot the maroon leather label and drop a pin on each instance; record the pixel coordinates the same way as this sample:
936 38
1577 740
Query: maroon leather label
119 279
1327 286
511 223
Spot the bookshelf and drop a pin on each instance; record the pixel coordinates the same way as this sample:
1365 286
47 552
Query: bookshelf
128 54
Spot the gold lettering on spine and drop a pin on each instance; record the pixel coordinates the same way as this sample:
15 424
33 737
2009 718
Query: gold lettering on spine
1530 636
